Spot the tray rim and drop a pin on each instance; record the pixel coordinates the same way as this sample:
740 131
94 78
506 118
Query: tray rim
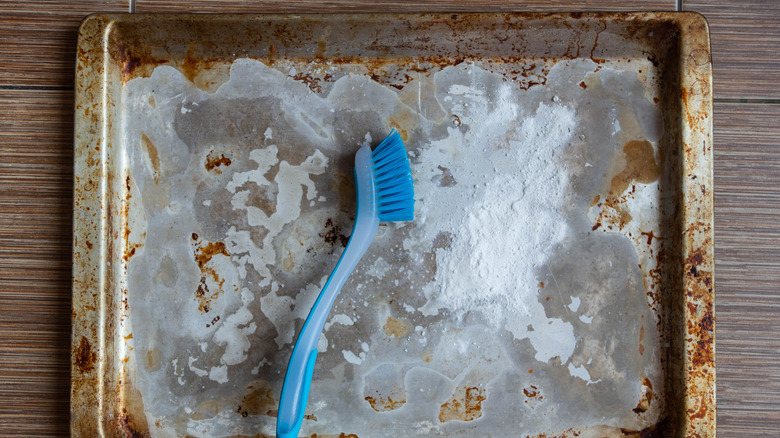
93 231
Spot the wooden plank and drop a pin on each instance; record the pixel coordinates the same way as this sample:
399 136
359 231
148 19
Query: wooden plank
35 246
38 39
399 6
747 268
745 36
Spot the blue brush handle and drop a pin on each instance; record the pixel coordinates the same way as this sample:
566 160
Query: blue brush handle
297 381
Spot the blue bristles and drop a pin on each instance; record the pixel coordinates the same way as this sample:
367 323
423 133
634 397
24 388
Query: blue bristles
393 179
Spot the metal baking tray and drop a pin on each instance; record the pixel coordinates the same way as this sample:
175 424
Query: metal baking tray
557 279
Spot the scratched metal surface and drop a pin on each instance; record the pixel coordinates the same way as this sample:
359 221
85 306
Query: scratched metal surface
213 196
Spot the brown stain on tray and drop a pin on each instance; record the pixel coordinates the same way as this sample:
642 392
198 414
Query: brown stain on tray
386 404
404 121
258 400
84 358
310 81
203 255
532 392
131 418
464 405
397 327
130 248
646 396
641 166
333 236
153 359
213 162
154 156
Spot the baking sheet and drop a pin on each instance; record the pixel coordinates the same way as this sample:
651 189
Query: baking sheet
557 278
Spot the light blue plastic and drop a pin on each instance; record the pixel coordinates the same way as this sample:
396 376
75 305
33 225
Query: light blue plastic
385 192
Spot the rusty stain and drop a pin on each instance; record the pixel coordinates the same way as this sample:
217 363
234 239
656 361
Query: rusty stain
203 255
404 121
132 420
84 358
344 186
641 166
645 397
153 358
213 162
129 426
464 405
333 235
700 413
288 264
258 400
190 66
650 236
204 296
699 361
322 44
154 156
397 327
275 412
130 248
130 65
385 404
623 217
312 82
531 393
130 252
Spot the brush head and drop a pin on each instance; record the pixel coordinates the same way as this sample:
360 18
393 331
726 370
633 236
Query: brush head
393 180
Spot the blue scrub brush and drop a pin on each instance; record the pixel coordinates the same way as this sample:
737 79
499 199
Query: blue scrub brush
383 181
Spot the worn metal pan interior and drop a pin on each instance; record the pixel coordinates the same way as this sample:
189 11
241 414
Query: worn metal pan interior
191 130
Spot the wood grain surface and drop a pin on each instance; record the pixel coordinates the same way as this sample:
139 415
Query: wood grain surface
35 245
37 44
745 40
38 39
747 268
401 6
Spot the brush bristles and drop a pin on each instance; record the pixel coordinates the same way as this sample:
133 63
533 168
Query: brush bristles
393 180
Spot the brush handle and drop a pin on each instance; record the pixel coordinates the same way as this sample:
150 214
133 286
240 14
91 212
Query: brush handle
297 381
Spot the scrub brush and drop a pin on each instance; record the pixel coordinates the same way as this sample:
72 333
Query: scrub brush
383 181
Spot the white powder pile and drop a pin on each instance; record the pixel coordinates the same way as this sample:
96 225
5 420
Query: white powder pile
503 214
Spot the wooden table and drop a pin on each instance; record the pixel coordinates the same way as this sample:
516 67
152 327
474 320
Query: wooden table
37 49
